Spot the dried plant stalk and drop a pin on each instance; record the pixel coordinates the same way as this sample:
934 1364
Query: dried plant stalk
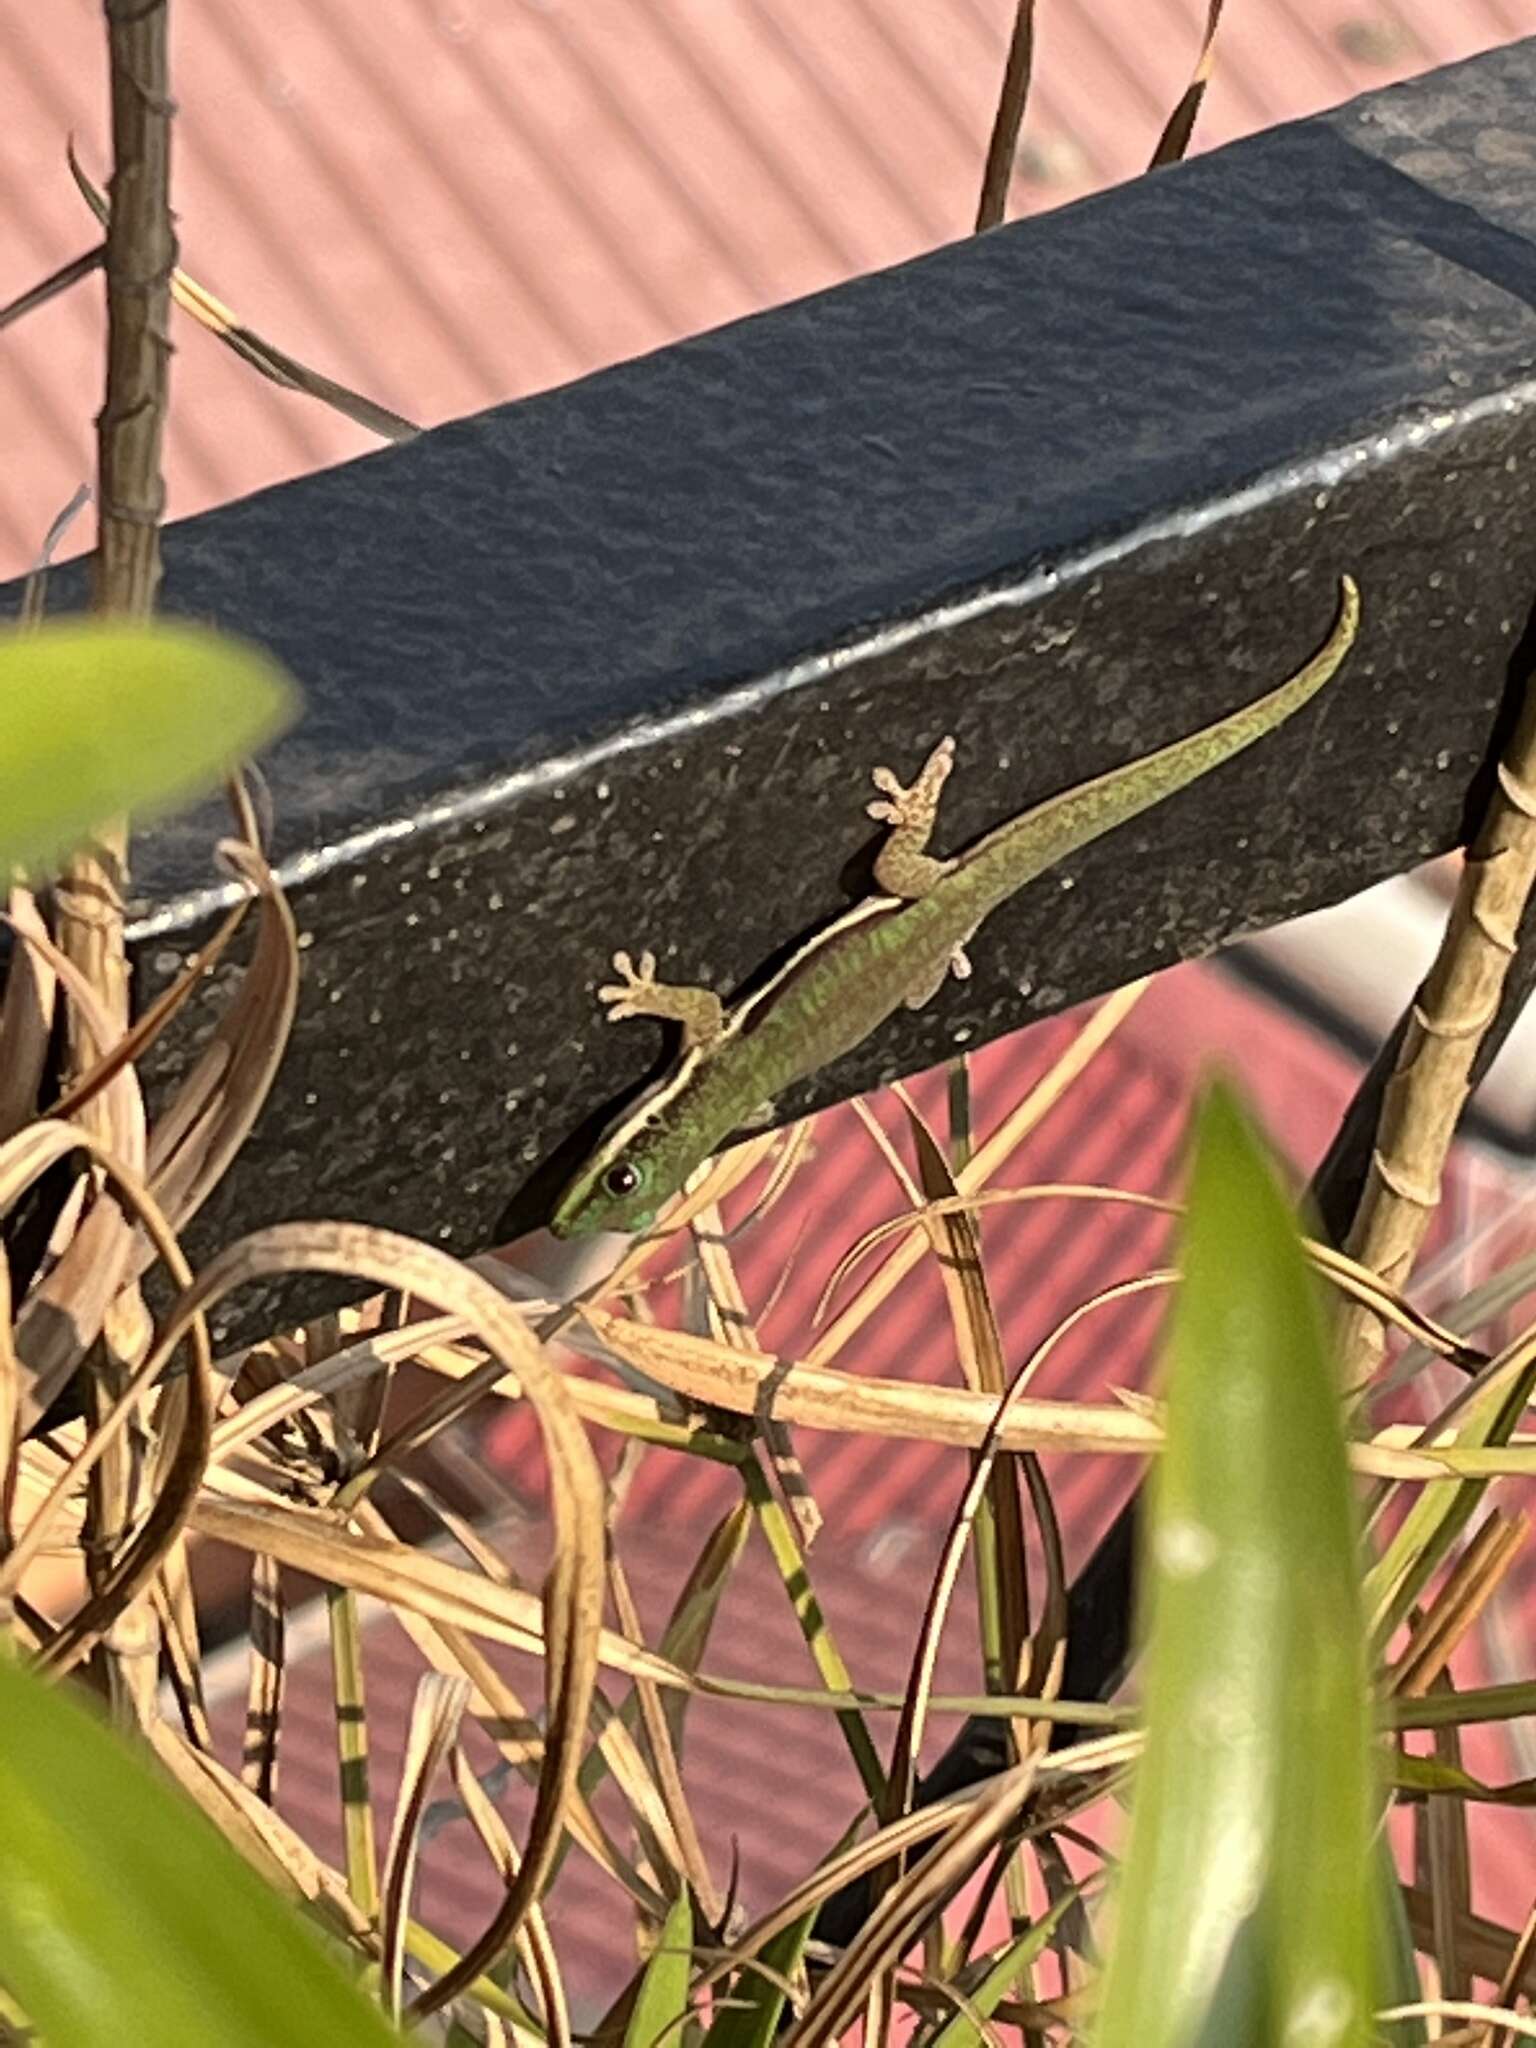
1173 143
1003 144
140 256
1455 1006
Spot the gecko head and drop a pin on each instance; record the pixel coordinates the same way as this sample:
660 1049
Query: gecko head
641 1161
614 1191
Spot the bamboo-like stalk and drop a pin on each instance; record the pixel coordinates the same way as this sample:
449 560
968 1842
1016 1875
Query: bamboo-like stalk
1455 1006
139 260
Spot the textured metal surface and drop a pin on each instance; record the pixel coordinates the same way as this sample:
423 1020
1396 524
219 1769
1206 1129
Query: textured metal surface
609 667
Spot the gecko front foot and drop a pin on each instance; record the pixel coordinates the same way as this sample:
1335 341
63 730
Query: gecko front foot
640 994
630 997
913 807
904 867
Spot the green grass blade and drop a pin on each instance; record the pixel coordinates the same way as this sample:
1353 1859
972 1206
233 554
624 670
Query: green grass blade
961 2031
661 2004
1245 1907
124 1915
751 2020
101 718
1397 1971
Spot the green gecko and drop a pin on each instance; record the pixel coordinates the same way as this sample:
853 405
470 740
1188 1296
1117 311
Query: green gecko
888 951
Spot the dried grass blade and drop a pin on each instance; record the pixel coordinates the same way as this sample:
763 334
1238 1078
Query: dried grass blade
272 363
1002 148
534 1946
215 1107
370 1355
1347 1274
702 1370
909 1906
1175 138
177 1609
267 1842
145 1029
182 1468
690 1862
308 1540
264 1698
498 1710
92 1019
731 1322
67 1311
1476 1577
1514 1973
26 1015
1002 1567
987 1161
350 1695
683 1641
573 1604
434 1727
52 286
910 1727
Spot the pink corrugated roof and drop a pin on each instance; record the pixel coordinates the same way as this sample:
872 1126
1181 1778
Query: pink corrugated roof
456 202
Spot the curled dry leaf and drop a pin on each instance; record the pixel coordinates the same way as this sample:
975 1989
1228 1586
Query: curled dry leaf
572 1607
194 1142
22 1159
434 1728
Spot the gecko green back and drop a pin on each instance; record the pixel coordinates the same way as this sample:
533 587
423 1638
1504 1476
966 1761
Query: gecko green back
890 950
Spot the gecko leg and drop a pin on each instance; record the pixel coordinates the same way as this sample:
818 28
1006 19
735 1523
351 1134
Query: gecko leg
904 866
639 994
958 964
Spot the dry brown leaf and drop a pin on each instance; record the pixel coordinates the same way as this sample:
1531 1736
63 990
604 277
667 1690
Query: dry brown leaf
433 1731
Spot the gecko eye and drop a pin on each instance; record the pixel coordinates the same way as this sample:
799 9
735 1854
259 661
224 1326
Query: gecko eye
621 1179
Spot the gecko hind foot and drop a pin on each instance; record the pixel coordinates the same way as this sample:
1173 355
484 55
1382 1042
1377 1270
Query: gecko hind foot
958 964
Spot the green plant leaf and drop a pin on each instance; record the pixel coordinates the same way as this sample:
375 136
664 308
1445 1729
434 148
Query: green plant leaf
751 2018
961 2030
661 2004
1245 1907
124 1915
97 718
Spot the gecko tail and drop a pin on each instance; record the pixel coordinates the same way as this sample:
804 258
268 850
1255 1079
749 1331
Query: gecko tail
1059 826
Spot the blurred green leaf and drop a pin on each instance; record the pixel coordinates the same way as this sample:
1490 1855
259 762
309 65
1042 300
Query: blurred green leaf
1245 1908
125 1916
661 2004
98 718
